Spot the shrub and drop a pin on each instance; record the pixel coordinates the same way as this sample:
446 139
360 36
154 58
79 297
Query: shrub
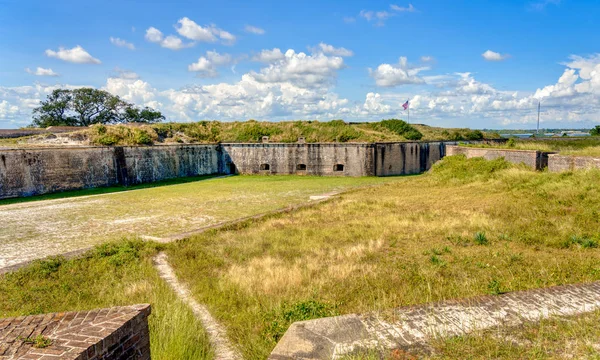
141 137
511 143
474 135
595 131
401 128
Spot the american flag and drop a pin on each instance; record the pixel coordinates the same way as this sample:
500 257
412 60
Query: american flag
405 105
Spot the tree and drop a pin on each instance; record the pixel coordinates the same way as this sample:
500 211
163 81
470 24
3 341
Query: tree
54 110
595 131
145 115
87 106
93 106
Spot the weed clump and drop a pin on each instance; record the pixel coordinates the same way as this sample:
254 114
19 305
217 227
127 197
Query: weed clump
480 238
582 241
38 342
279 320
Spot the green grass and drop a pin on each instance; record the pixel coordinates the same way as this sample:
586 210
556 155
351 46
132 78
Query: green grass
499 228
553 338
76 222
578 147
469 227
111 275
253 131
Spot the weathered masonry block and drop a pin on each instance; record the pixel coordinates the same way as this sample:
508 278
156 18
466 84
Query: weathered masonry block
559 163
537 160
107 334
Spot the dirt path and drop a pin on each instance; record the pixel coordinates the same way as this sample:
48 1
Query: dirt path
216 333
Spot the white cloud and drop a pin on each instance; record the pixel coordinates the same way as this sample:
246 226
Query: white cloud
301 69
254 30
133 90
40 71
191 30
409 8
331 50
388 75
268 56
490 55
154 35
427 58
76 55
206 66
171 42
122 43
300 86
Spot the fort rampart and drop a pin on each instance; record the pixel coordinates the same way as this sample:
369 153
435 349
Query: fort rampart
34 171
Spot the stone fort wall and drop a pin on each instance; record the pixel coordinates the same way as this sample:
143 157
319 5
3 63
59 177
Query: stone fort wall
559 163
34 171
537 160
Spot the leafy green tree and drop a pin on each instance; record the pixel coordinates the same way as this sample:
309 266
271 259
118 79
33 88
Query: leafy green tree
54 111
595 131
87 106
145 115
93 106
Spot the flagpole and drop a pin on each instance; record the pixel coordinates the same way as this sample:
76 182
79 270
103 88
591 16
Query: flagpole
408 111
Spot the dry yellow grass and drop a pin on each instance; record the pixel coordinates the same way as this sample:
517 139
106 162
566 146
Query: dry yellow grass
409 242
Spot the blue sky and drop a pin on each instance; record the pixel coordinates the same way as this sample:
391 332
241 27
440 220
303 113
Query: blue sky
482 64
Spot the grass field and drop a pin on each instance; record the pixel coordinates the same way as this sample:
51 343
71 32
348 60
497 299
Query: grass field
112 274
577 147
469 227
34 229
554 338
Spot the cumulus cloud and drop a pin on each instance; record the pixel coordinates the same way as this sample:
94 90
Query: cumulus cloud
40 71
206 66
122 43
490 55
171 42
331 50
388 75
76 55
268 56
298 85
301 69
191 30
254 30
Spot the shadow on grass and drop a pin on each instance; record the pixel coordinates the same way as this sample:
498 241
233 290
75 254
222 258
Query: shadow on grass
106 190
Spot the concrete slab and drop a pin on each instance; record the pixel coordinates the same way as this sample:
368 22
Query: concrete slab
414 326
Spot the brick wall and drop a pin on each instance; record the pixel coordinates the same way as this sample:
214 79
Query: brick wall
113 333
532 158
559 163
